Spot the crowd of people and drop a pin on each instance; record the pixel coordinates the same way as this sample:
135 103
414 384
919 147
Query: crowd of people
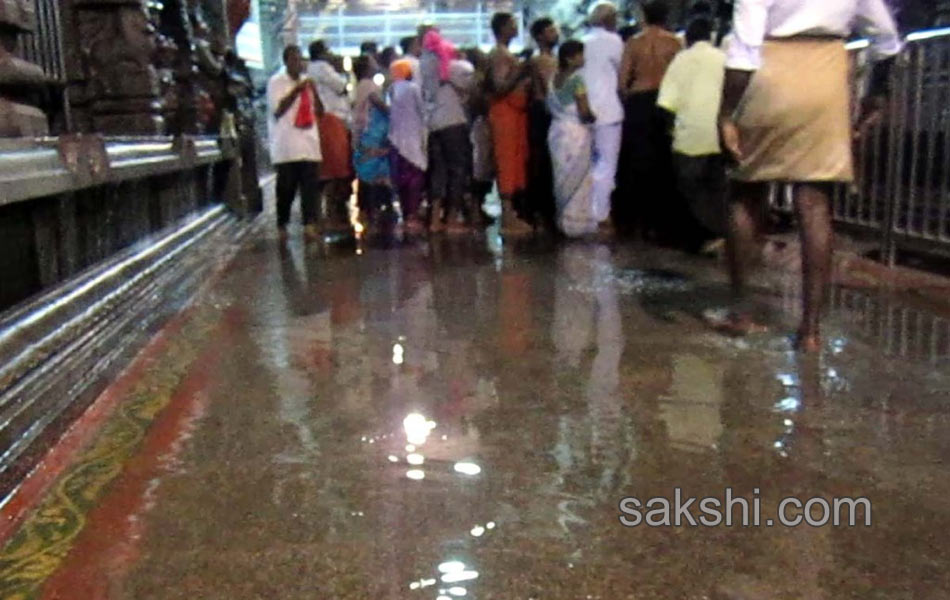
430 129
589 136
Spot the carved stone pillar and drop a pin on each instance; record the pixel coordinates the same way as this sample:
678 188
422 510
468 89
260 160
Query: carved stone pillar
18 78
239 11
211 82
176 25
116 43
215 14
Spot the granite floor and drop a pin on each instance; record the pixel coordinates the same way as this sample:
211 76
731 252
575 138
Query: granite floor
460 418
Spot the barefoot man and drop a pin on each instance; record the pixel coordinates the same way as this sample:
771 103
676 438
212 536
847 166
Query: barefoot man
509 80
789 123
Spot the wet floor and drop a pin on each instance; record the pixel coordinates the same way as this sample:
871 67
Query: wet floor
442 420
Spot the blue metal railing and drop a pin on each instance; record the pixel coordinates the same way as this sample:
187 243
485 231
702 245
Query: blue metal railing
345 32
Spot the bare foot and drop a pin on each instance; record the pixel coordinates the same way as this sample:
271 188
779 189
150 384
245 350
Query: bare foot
456 228
807 343
414 226
311 232
742 587
513 226
733 324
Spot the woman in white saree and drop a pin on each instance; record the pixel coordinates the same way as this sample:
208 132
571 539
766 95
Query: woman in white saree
570 143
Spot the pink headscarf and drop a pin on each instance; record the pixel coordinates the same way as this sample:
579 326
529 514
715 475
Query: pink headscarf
442 48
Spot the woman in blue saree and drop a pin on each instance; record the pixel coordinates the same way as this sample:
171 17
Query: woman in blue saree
371 132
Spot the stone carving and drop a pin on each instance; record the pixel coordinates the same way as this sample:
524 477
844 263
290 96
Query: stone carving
145 68
240 105
85 157
117 45
239 11
175 23
216 17
209 56
19 79
165 64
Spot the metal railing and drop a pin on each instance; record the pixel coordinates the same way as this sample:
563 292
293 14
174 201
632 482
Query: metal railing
345 32
44 46
893 327
902 187
889 323
920 146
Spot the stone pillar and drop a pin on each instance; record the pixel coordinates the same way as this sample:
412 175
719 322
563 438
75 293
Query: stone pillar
239 11
176 26
18 78
215 13
119 84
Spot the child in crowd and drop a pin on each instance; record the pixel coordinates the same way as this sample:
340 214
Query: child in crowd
407 135
371 148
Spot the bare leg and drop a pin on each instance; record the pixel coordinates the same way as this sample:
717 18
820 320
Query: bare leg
511 223
436 216
744 242
812 204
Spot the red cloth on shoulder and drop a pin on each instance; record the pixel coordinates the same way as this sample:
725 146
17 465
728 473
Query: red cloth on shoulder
305 118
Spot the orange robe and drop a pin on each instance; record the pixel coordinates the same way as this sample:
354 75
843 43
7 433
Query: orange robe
335 147
509 125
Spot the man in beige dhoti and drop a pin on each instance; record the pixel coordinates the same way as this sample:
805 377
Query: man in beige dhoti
785 118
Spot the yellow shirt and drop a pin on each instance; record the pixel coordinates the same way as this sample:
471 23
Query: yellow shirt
692 90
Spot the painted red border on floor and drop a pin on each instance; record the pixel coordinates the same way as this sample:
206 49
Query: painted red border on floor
27 495
109 543
34 486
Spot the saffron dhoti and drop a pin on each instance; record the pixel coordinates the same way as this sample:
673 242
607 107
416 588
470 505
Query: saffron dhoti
509 124
794 120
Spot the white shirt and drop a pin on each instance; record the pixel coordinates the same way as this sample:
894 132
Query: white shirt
603 51
692 90
444 102
757 20
289 143
332 89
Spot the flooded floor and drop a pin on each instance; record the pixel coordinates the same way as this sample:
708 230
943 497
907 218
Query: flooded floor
447 419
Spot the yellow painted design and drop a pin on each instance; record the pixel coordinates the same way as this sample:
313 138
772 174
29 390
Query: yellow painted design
44 540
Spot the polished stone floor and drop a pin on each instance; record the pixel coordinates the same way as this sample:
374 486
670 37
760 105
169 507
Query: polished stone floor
454 418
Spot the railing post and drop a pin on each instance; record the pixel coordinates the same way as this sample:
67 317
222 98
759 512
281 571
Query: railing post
340 45
895 150
479 25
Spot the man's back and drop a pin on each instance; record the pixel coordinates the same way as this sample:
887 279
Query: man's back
646 58
692 90
331 86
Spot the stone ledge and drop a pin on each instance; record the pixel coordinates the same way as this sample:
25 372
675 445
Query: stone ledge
58 348
18 14
36 168
853 269
17 120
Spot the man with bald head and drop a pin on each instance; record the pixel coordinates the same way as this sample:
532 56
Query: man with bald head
603 50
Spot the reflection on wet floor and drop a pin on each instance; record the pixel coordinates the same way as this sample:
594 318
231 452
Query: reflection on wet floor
449 419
